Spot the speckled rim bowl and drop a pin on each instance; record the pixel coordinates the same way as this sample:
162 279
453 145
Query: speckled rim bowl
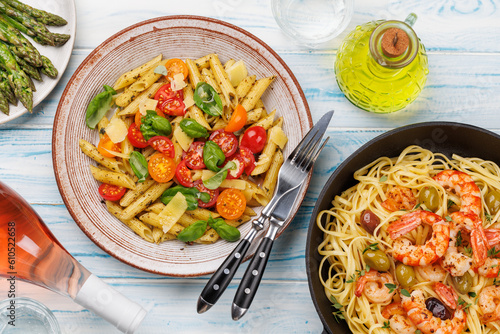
179 37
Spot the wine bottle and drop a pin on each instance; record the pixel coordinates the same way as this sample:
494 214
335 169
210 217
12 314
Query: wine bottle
30 252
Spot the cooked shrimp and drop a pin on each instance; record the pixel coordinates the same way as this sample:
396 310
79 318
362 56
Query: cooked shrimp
372 285
446 294
432 272
464 186
426 322
398 319
493 236
399 198
489 303
455 262
419 255
490 268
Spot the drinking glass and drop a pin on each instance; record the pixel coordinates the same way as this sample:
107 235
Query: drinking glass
25 315
312 22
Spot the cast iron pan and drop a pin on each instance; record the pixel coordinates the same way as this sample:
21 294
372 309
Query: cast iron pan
443 137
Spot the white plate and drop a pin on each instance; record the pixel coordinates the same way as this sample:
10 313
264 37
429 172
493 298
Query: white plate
58 55
179 37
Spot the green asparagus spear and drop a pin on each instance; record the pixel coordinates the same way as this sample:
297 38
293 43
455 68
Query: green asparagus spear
4 104
31 71
6 89
18 25
24 48
48 68
17 78
41 31
41 15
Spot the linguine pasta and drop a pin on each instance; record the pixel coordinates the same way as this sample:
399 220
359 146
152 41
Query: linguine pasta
345 239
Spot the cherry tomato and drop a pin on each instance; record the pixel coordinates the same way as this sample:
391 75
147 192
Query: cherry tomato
231 203
249 159
240 166
135 136
175 66
226 141
163 145
194 155
183 175
238 119
214 194
173 106
106 144
254 138
111 192
165 92
161 167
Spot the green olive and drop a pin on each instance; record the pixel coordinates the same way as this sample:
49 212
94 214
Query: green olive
492 200
463 284
377 260
429 197
405 275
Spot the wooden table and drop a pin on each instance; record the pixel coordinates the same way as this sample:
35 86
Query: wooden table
463 44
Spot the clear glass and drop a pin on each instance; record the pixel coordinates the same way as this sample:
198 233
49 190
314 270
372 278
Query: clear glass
31 253
312 22
31 317
373 81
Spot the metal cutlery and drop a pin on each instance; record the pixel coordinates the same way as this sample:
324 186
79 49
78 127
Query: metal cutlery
291 177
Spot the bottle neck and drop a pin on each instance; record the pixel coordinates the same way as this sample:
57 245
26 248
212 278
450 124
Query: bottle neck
402 58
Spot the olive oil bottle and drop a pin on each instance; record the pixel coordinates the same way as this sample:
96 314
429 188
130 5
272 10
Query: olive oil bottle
381 66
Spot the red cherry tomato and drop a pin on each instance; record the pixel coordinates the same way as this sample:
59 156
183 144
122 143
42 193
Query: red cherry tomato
249 159
174 107
183 175
254 138
111 192
194 155
163 145
240 166
226 141
135 136
213 194
165 92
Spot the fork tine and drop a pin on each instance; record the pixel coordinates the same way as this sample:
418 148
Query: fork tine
316 154
308 151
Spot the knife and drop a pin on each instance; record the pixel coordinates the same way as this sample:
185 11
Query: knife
253 275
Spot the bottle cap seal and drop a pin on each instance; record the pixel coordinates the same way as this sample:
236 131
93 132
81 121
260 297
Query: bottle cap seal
395 42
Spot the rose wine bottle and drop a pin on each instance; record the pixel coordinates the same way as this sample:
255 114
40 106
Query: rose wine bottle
30 252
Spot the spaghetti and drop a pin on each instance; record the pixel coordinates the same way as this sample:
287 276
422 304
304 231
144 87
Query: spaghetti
346 240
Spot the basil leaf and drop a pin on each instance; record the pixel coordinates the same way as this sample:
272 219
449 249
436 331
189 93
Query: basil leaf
191 195
193 129
193 231
99 106
213 156
204 197
139 165
207 99
154 125
215 181
161 69
224 230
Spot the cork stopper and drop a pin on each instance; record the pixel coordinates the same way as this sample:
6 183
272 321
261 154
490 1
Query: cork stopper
394 42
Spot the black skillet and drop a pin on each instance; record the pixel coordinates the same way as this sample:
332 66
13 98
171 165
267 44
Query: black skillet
443 137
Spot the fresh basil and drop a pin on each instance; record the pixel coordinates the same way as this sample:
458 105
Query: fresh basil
161 69
99 106
191 194
139 165
154 125
213 156
193 231
215 181
207 99
193 129
224 230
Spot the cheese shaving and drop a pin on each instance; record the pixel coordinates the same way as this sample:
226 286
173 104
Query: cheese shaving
117 130
178 82
148 104
188 101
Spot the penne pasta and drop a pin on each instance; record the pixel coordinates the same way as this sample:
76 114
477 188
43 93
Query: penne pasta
193 110
132 195
144 200
101 126
258 88
253 116
193 73
245 85
134 224
114 178
148 79
133 107
203 62
222 80
92 152
267 121
133 75
272 174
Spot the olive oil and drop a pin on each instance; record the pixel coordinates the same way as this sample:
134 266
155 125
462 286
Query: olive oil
379 69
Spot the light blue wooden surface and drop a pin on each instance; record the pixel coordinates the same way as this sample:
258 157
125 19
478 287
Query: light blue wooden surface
463 43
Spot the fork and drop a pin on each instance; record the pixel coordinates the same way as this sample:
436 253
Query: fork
291 176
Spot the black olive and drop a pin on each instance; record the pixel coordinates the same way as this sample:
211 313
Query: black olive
437 308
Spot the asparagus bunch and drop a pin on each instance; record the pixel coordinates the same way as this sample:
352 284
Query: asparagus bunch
20 61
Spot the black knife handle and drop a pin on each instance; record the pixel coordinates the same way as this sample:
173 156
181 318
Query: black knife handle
221 278
253 275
